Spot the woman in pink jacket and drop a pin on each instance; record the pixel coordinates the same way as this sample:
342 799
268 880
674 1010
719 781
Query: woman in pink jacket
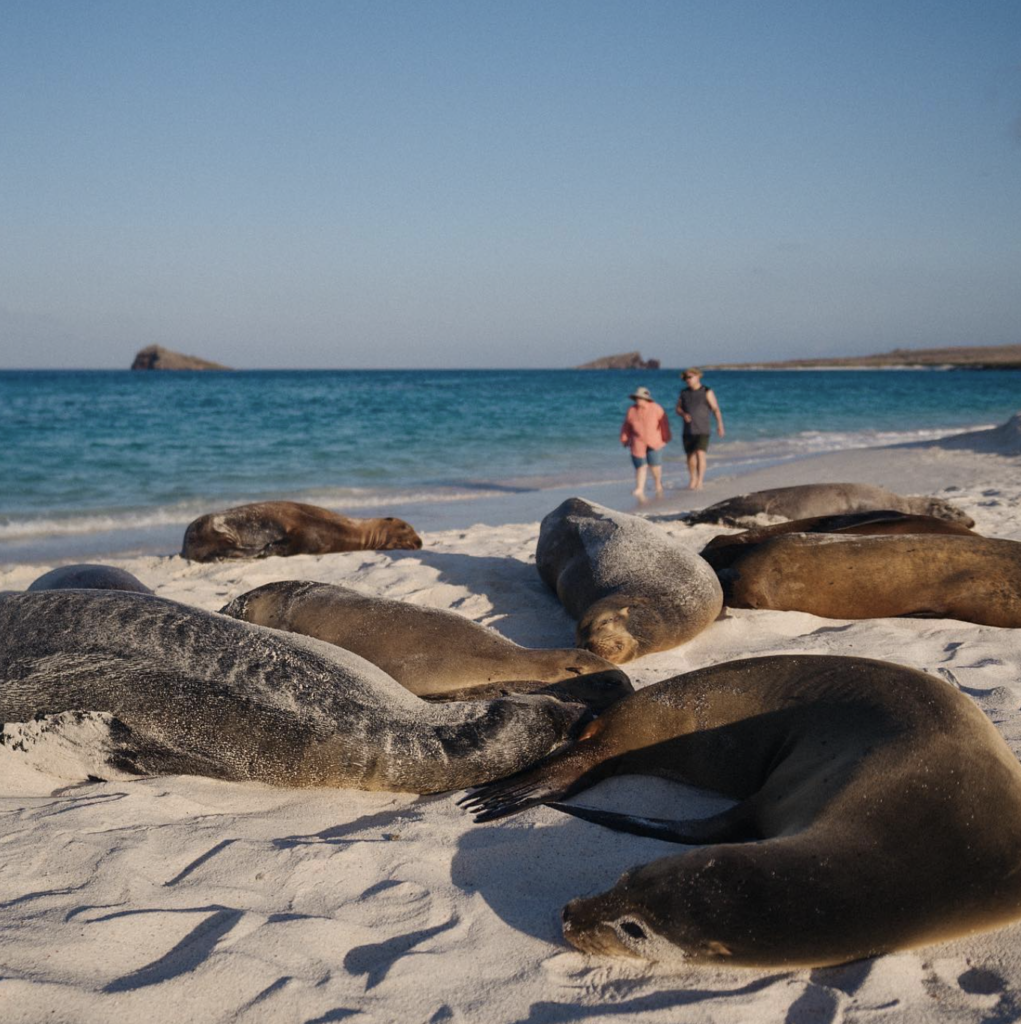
645 431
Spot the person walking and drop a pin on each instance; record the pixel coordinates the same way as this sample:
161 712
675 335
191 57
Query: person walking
645 431
694 405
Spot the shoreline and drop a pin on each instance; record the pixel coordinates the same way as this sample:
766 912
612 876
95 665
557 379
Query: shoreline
323 903
734 465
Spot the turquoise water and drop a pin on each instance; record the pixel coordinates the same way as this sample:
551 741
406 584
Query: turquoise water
86 455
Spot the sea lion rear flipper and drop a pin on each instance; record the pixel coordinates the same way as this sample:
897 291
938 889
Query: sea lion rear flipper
730 826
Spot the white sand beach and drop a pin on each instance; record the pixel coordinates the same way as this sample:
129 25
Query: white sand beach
186 899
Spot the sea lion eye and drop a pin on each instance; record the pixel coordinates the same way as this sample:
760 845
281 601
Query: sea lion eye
634 929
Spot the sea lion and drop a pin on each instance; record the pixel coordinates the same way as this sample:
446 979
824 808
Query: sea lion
89 577
724 548
976 579
290 528
808 500
204 694
631 587
878 809
434 653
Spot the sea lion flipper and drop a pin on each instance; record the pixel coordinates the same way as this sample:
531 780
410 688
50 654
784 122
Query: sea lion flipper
732 825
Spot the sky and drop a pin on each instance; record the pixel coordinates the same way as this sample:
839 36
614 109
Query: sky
523 183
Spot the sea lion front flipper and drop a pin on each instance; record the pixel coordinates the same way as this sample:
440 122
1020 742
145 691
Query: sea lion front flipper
730 826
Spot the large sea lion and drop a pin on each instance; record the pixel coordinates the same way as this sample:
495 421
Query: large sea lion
204 694
878 809
723 549
808 500
290 528
434 653
631 587
977 579
89 577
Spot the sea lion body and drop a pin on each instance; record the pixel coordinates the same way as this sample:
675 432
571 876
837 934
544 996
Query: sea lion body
977 579
631 587
89 577
434 653
878 809
205 694
809 500
267 528
723 549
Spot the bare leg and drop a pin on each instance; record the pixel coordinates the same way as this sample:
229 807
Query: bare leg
700 463
639 491
657 479
693 471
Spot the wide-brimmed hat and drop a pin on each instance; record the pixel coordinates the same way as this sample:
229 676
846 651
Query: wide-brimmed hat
642 393
692 371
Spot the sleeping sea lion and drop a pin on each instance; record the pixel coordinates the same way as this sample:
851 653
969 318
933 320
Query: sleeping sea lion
976 579
878 808
89 577
289 528
203 694
631 587
434 653
724 548
808 500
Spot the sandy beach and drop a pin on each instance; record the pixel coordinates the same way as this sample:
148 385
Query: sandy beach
184 898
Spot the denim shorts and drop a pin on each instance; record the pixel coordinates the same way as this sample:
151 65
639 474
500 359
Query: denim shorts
654 457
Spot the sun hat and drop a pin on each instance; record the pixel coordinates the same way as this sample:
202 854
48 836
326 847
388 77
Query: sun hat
692 371
642 393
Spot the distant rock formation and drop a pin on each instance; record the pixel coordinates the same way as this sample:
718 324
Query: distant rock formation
626 361
977 357
155 357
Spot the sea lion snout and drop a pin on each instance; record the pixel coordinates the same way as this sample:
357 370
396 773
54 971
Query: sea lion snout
586 928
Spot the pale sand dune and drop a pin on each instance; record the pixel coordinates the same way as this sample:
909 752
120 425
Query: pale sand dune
182 898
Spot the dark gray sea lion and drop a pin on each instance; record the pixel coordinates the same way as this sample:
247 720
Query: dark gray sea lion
434 653
203 694
976 579
808 500
290 528
878 809
631 587
89 577
723 549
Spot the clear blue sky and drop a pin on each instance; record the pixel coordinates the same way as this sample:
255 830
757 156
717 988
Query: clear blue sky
497 184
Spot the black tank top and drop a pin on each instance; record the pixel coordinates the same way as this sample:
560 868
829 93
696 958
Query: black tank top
696 405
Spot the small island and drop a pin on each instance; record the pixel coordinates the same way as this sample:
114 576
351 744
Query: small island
979 357
155 357
625 361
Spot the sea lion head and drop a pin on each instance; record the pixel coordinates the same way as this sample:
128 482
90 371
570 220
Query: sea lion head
603 630
612 925
397 534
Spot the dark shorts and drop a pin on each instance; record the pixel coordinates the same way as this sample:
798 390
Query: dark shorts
653 456
695 443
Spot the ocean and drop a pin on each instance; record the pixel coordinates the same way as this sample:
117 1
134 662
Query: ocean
105 462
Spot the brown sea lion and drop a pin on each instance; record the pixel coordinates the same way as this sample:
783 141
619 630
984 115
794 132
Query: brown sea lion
89 577
723 549
878 809
809 500
631 587
204 694
289 528
976 579
434 653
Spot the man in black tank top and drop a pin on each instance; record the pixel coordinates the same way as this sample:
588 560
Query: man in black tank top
695 404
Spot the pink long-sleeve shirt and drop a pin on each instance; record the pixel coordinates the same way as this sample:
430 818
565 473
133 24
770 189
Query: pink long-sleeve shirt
645 426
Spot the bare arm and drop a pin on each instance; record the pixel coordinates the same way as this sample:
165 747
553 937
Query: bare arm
714 406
